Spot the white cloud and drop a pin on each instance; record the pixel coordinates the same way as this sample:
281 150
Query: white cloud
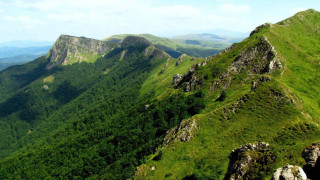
230 8
101 18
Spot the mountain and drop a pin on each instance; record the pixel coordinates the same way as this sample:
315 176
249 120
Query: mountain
210 40
227 33
20 52
176 47
124 108
263 89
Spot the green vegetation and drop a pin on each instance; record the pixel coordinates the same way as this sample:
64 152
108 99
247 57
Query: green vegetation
265 114
107 119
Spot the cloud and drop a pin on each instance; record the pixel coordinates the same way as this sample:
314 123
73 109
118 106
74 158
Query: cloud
230 8
101 18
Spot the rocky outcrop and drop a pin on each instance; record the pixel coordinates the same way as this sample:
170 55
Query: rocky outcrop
257 29
259 59
255 84
289 172
71 49
183 133
180 59
223 81
311 155
176 78
192 80
249 159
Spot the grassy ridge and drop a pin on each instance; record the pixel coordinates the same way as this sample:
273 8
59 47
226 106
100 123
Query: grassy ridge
283 112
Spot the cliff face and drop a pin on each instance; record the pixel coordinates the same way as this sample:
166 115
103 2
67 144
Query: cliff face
70 49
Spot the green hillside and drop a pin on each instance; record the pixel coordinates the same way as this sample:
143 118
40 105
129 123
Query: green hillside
283 110
132 111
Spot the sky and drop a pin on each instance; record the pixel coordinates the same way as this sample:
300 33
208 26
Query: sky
45 20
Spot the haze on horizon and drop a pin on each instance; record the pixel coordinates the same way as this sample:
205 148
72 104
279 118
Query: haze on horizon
45 20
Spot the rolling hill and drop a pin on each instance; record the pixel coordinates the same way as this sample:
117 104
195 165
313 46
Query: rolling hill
176 48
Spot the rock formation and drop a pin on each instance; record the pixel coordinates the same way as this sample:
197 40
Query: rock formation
180 59
255 84
192 80
249 160
247 60
311 155
70 49
176 78
289 172
182 133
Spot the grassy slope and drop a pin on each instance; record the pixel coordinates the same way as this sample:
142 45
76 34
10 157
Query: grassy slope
288 127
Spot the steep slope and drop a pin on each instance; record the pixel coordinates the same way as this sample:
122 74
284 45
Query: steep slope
96 109
68 50
263 89
31 92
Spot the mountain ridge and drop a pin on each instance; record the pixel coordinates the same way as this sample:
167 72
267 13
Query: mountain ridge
135 112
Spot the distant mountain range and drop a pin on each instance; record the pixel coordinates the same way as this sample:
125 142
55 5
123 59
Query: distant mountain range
20 52
24 44
198 45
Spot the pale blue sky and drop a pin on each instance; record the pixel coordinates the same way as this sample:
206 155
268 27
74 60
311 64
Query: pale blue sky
47 19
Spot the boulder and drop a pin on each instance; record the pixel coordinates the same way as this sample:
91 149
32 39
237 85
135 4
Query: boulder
250 160
289 172
176 78
311 155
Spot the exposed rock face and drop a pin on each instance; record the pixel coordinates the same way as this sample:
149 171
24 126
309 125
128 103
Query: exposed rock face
223 82
180 59
249 158
260 59
257 29
70 49
182 133
192 80
289 172
257 60
311 155
255 84
176 78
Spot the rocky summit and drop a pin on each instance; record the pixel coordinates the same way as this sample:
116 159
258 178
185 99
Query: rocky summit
70 49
